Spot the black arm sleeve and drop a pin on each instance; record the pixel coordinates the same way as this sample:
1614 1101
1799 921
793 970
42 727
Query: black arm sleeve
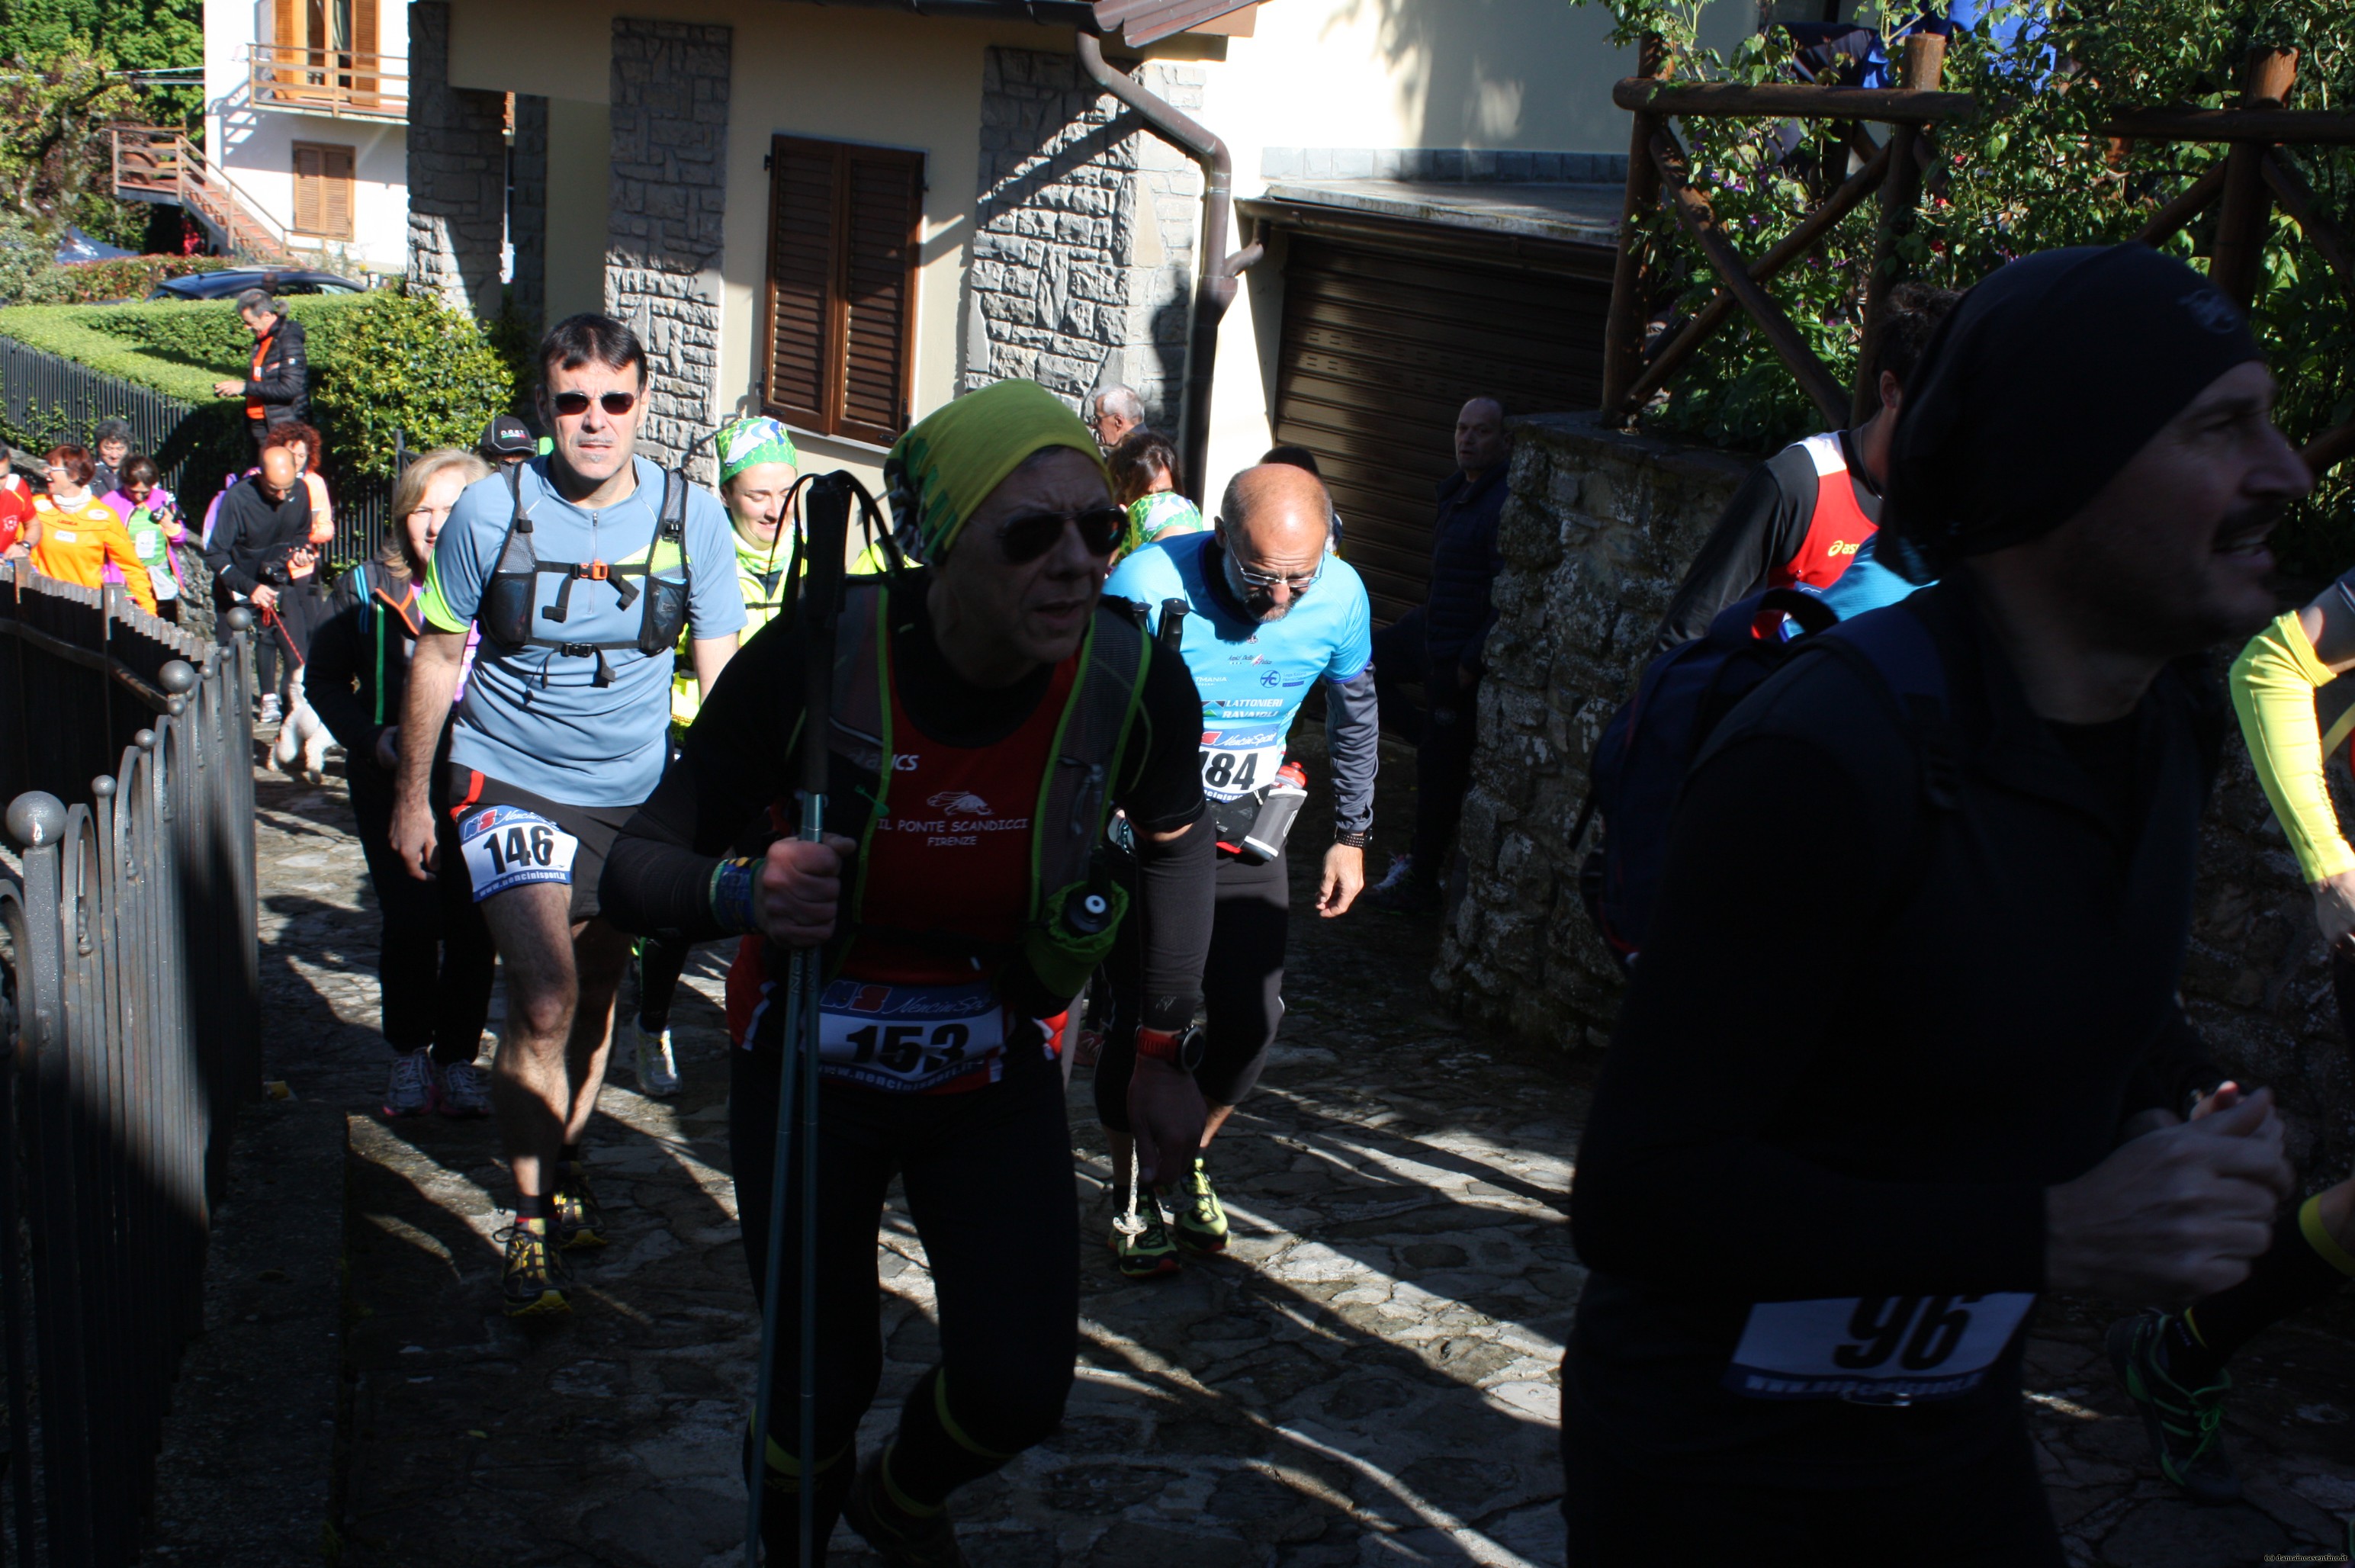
1353 735
1679 1183
2178 1065
228 529
657 876
331 680
1759 531
1177 877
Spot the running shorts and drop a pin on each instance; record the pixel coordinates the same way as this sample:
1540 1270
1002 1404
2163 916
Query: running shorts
499 837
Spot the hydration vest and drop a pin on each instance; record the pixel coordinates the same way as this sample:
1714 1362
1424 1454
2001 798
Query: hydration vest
1075 792
1838 527
506 615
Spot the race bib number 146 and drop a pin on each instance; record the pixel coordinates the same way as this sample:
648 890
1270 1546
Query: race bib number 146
506 846
1890 1350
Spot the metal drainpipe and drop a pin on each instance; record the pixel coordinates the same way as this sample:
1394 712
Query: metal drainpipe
1214 284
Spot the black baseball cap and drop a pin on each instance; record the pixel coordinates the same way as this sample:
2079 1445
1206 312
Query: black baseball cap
507 436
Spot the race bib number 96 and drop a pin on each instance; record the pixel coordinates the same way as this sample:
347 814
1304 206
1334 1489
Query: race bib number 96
908 1038
506 846
1894 1349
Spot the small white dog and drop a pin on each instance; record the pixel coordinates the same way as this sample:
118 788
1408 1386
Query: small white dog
302 733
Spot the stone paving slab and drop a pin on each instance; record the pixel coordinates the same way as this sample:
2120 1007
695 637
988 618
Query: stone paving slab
1369 1377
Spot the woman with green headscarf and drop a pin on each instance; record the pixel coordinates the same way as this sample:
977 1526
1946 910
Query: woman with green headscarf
990 716
758 466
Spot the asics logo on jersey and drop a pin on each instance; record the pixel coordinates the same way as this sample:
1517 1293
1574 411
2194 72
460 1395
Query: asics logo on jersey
903 762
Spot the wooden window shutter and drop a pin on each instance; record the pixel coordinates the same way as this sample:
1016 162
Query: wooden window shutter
335 197
840 345
310 188
364 45
285 30
884 205
803 177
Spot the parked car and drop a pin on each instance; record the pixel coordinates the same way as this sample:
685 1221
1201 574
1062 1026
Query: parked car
226 285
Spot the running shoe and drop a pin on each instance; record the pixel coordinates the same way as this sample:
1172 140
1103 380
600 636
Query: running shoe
1145 1251
466 1091
1404 890
270 713
1402 867
902 1539
650 1053
1195 1215
410 1093
2186 1425
532 1284
580 1218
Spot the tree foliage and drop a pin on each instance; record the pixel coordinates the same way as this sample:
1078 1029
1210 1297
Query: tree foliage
2028 173
62 81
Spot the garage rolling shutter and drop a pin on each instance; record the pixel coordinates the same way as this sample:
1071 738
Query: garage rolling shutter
1381 348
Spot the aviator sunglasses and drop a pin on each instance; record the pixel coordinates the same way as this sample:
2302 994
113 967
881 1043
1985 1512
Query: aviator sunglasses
572 404
1030 535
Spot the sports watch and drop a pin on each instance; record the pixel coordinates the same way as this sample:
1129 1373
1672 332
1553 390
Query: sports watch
1182 1051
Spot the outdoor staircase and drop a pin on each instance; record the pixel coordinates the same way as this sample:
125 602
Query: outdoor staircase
160 164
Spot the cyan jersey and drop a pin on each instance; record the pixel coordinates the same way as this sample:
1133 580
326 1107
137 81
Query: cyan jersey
1252 675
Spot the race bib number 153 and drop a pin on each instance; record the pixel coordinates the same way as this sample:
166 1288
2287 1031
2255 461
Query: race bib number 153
506 846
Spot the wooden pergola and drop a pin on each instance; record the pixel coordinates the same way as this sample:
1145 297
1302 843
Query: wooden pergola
2249 183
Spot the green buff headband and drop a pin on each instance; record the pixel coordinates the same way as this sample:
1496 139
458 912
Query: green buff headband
948 462
748 443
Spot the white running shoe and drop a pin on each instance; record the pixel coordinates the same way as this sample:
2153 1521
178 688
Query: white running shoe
410 1093
270 712
1402 867
658 1068
465 1090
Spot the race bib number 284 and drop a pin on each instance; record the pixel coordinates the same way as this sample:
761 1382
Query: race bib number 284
506 846
1890 1350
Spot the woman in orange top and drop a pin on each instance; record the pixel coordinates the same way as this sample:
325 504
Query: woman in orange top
76 534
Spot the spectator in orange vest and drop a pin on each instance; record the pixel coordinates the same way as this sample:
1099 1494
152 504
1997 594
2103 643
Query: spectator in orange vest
277 388
77 534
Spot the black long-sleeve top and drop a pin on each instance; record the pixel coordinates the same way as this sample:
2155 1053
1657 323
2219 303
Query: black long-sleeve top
1868 1032
251 530
1755 537
736 763
357 673
281 383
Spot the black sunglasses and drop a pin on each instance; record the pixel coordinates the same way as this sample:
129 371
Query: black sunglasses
1030 535
570 404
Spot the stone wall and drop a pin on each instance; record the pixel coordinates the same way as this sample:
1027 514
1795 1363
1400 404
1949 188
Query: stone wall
1084 236
662 251
1596 534
457 174
527 212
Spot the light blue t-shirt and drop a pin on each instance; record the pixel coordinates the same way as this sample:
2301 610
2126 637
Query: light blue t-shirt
535 716
1252 675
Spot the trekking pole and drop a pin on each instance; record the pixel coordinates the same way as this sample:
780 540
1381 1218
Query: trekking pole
820 606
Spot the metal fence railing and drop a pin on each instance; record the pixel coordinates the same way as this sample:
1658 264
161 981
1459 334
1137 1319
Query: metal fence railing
46 400
129 1032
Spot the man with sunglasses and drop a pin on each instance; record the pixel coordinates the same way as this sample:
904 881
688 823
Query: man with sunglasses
581 569
988 720
1266 610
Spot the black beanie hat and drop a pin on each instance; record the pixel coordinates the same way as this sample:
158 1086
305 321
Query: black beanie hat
2044 382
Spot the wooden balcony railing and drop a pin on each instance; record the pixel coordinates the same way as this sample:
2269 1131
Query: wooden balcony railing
343 83
160 164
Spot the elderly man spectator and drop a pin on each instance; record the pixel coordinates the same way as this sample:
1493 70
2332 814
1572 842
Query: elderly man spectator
277 388
261 545
110 441
1112 412
1440 645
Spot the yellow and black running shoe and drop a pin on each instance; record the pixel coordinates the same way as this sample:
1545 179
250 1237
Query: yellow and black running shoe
902 1538
580 1218
532 1284
2185 1424
1195 1216
1140 1243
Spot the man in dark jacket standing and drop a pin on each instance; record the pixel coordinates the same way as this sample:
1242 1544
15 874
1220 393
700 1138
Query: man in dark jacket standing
278 390
1865 1106
1440 645
260 534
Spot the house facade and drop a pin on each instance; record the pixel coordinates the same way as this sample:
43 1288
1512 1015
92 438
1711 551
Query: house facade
306 111
845 214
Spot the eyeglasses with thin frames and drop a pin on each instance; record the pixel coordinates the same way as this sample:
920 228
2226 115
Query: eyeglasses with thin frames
1263 581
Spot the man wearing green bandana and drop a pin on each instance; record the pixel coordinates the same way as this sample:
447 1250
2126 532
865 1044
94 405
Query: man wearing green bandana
757 470
989 718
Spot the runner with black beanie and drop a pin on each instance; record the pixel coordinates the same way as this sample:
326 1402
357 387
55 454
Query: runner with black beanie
1836 1157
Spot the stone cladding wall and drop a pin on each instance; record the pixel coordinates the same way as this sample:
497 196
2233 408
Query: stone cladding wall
662 250
1084 236
527 213
457 174
1596 534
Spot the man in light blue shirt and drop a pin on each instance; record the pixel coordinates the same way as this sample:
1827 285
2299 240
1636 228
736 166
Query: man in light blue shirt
1261 611
582 570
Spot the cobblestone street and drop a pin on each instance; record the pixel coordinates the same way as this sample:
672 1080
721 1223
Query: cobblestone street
1370 1376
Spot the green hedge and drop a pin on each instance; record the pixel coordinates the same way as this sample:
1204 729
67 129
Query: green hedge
380 362
117 278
